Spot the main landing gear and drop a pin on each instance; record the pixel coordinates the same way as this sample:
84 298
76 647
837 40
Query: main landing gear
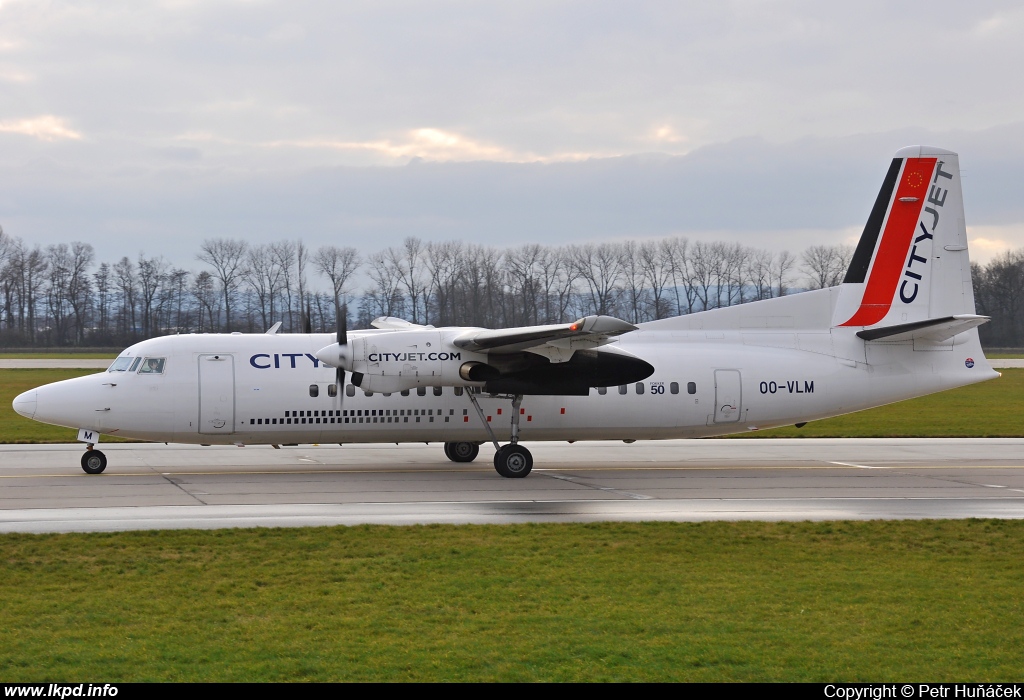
93 461
513 461
461 451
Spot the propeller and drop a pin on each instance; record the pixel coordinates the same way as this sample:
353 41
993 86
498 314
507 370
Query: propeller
341 313
337 354
307 321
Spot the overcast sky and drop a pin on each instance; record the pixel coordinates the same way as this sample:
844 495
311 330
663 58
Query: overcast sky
154 125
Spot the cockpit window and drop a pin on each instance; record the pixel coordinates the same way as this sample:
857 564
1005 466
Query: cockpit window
135 365
152 365
120 364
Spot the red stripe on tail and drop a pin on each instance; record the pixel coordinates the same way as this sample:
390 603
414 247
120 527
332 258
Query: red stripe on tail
892 251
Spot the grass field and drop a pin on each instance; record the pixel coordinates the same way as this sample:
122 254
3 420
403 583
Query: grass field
990 409
858 601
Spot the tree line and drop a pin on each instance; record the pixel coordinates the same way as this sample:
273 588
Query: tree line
59 295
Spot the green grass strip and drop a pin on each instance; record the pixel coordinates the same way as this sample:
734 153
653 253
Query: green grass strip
846 601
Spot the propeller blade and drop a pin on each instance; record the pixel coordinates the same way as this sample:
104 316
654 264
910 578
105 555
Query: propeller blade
341 313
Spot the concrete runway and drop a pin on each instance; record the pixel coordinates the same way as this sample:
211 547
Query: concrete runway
42 488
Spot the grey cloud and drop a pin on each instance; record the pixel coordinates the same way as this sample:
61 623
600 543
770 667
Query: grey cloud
749 188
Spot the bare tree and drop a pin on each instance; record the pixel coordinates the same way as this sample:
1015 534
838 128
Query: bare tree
444 263
600 268
284 253
386 295
265 276
759 273
781 270
338 265
634 275
825 265
206 298
124 276
80 289
151 275
557 278
227 258
408 260
102 283
523 266
706 263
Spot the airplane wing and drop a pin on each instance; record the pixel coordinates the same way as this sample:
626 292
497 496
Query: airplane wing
395 324
587 332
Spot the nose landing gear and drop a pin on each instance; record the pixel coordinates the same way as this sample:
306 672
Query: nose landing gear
93 461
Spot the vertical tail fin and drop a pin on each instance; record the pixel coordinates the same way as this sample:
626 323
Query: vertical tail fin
911 263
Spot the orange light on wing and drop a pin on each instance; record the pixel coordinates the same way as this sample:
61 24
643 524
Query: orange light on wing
574 327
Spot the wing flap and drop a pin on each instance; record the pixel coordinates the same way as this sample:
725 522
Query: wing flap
935 329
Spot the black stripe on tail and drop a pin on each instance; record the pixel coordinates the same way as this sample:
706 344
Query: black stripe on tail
869 239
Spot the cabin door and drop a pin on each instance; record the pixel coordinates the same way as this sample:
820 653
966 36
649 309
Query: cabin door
216 394
727 396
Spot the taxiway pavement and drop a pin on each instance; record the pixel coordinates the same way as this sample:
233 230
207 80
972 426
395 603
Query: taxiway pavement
42 488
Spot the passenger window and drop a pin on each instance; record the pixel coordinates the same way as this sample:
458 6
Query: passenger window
405 392
368 393
421 391
639 387
458 391
674 387
602 390
350 390
623 389
332 390
314 390
437 391
152 365
691 387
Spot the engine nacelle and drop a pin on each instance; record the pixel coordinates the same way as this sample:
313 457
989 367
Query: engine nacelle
407 359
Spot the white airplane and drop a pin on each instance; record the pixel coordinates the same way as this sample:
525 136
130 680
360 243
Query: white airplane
902 324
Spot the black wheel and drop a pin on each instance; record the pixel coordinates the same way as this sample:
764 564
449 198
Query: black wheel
461 451
513 461
94 462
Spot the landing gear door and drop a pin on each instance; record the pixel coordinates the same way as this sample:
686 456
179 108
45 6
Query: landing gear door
727 396
216 394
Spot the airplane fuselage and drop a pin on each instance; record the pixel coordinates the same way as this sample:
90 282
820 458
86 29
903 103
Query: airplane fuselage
271 389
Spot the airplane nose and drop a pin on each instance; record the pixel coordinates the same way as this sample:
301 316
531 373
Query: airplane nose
25 404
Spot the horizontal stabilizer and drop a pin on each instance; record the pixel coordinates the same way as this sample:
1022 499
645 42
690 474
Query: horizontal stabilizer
597 330
935 329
